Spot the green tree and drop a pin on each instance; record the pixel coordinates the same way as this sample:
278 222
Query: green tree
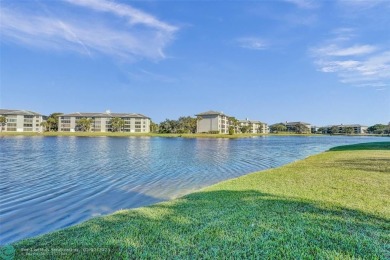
244 129
184 124
260 128
231 130
117 124
153 127
3 122
234 122
301 128
348 130
334 130
387 130
187 124
84 124
321 130
168 126
377 129
44 125
51 123
278 128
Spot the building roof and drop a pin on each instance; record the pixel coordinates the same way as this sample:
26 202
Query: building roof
250 121
18 112
353 125
211 113
295 123
105 114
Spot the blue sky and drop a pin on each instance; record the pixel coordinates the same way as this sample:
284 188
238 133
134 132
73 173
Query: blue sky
322 62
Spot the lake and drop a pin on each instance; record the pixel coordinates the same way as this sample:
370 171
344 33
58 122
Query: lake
48 183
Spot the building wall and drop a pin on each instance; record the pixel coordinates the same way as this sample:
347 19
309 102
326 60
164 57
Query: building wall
102 124
223 124
207 124
256 127
23 123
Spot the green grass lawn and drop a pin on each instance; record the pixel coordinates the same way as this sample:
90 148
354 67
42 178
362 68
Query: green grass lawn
334 205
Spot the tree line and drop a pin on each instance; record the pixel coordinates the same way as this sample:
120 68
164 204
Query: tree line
188 124
298 128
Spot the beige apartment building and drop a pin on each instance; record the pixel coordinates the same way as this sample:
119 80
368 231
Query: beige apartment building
291 126
21 121
212 121
101 122
357 129
256 127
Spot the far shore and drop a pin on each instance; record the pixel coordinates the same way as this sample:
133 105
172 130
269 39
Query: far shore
126 134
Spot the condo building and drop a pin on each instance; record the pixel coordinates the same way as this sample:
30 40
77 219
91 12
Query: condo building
212 121
256 127
21 121
357 129
101 122
291 126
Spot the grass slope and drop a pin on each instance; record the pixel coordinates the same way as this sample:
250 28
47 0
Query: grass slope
334 205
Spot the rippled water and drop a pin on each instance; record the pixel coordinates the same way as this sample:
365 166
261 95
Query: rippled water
48 183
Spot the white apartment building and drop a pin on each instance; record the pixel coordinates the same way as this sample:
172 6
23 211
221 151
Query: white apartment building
21 121
256 127
357 129
101 122
212 121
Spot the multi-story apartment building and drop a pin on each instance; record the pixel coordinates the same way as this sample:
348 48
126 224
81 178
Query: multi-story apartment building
212 121
21 121
357 129
255 126
292 125
101 122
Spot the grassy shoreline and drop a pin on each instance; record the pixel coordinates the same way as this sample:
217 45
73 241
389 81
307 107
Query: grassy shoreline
118 134
330 205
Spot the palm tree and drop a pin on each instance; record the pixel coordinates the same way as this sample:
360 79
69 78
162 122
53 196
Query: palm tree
84 124
301 128
233 122
3 122
117 124
44 124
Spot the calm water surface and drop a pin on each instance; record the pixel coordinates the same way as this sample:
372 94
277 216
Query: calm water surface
48 183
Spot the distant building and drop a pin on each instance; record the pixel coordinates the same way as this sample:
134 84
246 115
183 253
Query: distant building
134 123
291 126
314 129
255 126
21 121
212 121
357 129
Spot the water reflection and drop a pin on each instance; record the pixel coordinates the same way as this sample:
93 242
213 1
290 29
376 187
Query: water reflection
47 183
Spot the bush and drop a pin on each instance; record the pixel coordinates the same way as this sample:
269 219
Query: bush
231 130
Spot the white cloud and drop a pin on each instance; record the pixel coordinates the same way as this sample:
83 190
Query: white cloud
252 43
343 34
357 64
334 50
127 41
135 16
